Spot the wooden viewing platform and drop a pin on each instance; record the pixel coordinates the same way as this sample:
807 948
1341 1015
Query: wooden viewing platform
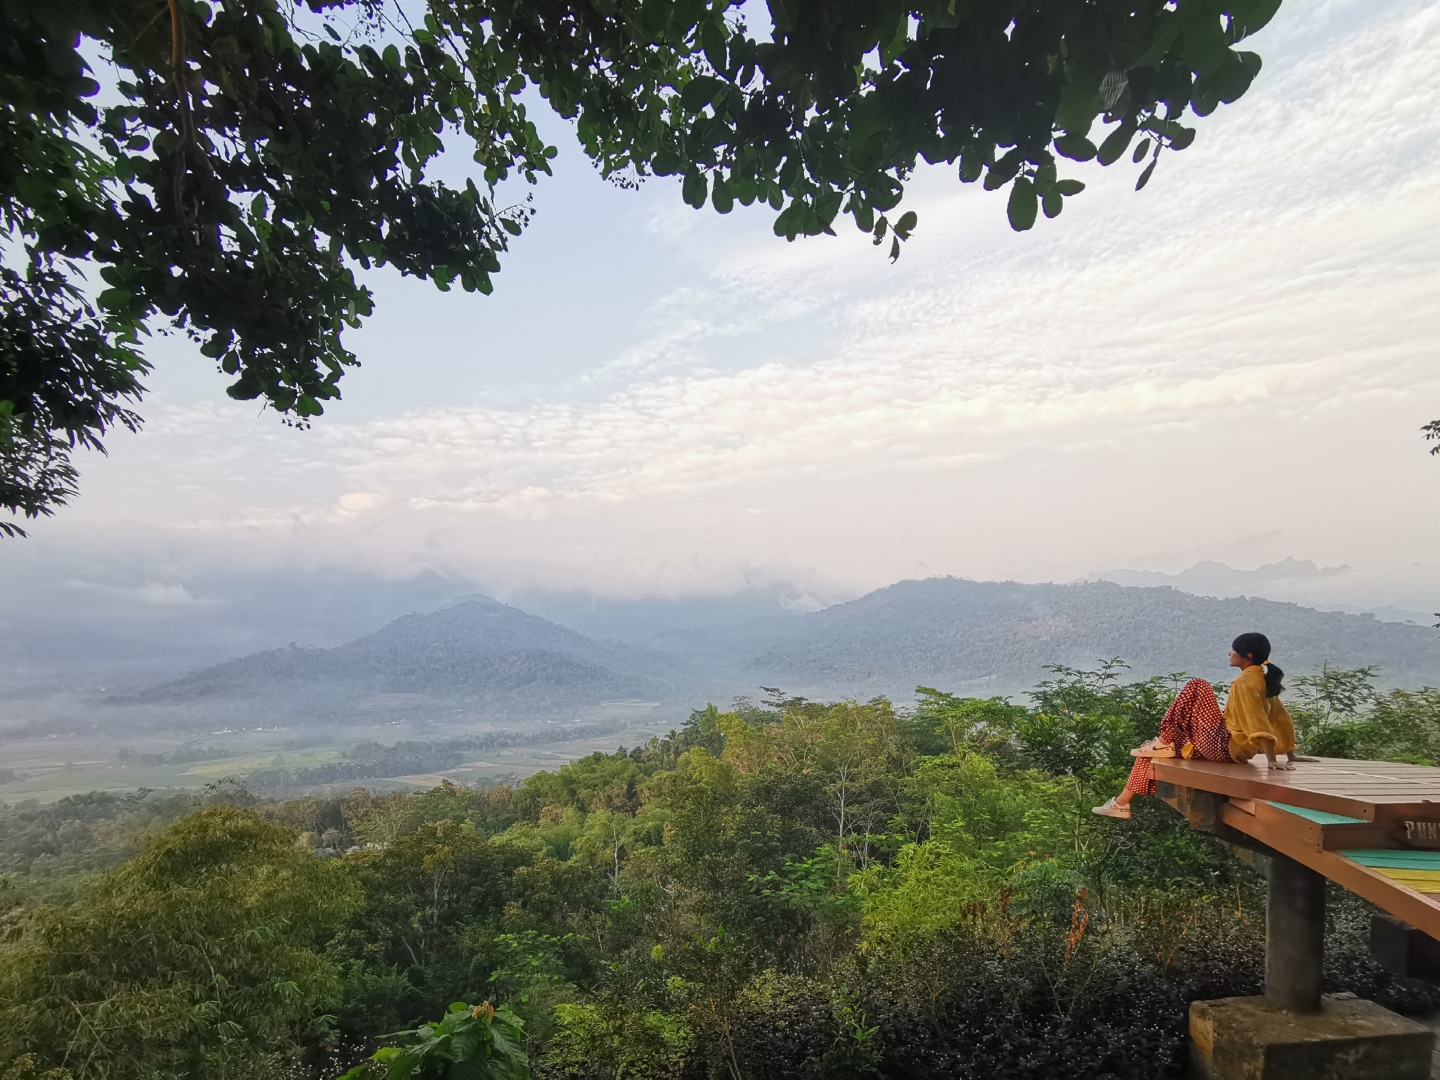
1370 826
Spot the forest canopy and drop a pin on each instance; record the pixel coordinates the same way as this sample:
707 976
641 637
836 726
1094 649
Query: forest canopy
223 170
781 889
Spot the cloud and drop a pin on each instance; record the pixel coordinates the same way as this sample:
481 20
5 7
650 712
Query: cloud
151 593
1269 294
358 502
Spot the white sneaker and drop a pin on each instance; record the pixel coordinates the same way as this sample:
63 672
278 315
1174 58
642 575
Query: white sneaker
1154 749
1112 809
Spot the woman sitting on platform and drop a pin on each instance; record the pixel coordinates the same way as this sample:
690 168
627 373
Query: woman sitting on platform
1254 722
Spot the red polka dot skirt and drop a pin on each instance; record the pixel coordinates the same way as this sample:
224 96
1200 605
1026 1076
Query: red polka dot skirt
1194 717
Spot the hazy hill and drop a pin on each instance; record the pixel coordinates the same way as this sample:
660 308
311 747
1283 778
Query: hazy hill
984 637
79 625
487 657
482 658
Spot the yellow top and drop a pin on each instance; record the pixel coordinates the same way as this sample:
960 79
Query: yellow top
1256 722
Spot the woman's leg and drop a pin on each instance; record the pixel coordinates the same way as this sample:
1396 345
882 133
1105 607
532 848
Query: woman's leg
1194 717
1203 721
1141 782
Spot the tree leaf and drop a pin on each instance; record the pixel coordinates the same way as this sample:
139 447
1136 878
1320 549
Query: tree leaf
1004 170
864 215
1116 143
1202 39
1234 77
1181 137
783 14
972 162
694 189
1145 176
1251 15
1166 31
786 221
1023 204
721 196
699 92
1075 147
712 41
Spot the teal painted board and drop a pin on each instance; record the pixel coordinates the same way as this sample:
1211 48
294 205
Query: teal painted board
1396 860
1319 816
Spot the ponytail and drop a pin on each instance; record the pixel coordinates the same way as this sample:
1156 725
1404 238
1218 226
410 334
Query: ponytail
1256 648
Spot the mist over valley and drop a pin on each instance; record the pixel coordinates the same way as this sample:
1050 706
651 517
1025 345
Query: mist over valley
474 689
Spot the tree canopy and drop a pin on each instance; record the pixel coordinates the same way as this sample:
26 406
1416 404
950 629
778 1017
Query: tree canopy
197 957
245 157
785 889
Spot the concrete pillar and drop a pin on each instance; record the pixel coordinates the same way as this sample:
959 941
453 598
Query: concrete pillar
1404 950
1294 935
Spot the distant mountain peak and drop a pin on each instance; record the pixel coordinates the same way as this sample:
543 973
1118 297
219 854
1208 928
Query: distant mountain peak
955 633
1211 575
477 650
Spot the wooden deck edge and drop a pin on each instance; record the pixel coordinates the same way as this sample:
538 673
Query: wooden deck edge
1238 786
1340 836
1415 908
1310 833
1364 837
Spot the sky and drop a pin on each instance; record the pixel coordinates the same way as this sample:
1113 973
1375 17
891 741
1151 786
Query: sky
1231 365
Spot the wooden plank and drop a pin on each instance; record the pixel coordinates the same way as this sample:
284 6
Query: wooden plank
1420 910
1366 790
1402 858
1418 870
1317 829
1368 835
1422 881
1319 816
1304 830
1248 782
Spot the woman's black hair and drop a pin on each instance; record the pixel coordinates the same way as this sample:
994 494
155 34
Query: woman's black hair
1256 648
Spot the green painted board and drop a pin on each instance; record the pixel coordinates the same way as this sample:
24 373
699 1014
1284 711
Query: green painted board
1396 860
1319 816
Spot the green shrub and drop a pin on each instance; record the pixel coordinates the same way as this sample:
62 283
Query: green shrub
613 1040
471 1042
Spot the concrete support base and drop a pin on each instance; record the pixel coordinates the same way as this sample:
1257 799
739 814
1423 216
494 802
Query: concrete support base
1249 1038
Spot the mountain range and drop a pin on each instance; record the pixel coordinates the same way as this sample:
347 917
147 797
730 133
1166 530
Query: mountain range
485 659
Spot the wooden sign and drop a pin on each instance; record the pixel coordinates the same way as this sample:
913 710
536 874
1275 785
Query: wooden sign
1418 834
